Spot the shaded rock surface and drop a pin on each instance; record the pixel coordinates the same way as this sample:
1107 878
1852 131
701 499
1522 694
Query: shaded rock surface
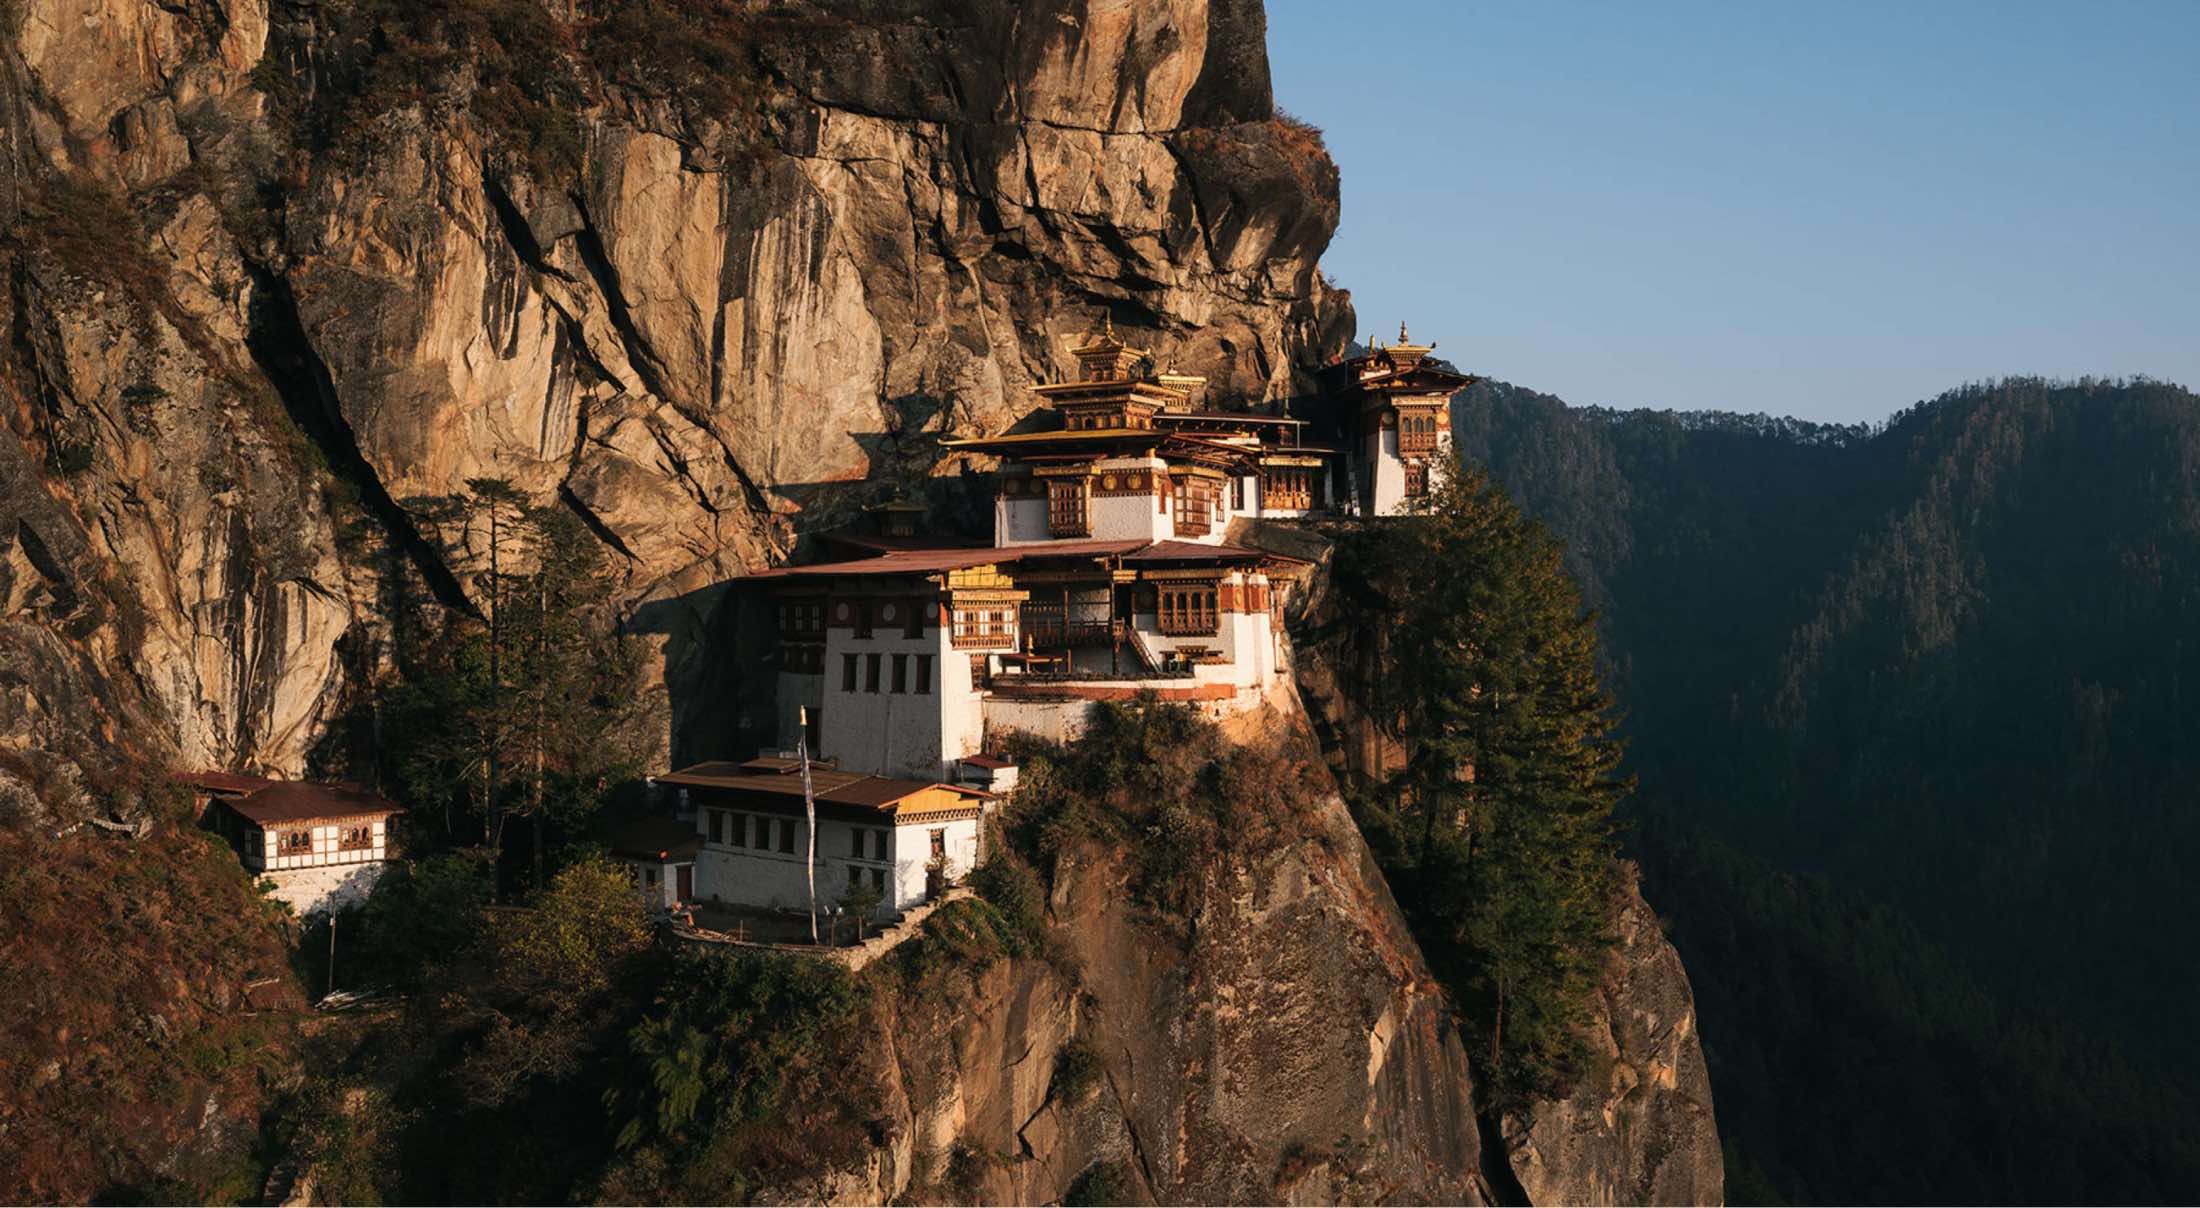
1639 1128
242 352
1288 1048
250 321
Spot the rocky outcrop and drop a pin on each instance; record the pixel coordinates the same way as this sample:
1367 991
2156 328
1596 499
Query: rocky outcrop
1639 1128
255 323
700 328
1290 1049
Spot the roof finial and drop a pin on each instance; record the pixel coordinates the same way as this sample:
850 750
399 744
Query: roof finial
1107 324
1402 331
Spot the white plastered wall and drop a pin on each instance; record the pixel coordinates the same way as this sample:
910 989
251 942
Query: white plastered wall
890 733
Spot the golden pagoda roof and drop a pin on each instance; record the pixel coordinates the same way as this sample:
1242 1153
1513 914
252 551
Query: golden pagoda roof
1104 341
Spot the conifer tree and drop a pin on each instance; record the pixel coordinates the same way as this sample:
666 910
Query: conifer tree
530 710
1494 813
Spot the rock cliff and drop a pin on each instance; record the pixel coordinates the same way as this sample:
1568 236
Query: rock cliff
281 273
1278 1041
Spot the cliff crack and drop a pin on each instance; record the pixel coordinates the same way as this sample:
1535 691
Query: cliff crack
588 241
277 340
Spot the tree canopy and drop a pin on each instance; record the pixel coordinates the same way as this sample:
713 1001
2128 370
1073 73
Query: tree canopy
1470 653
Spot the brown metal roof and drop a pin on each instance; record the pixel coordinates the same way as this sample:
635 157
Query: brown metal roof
223 782
837 788
1193 551
891 544
301 801
1239 417
656 839
933 561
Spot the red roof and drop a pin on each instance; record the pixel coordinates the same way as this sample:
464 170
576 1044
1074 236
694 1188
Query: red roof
839 788
933 561
1193 551
301 801
223 782
657 839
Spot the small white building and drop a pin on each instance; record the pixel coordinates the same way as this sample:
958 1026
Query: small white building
322 846
661 851
906 839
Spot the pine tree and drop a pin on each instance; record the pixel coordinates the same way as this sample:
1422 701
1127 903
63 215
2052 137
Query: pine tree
1479 663
531 708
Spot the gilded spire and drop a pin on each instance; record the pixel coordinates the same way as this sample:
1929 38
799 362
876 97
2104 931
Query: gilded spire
1402 332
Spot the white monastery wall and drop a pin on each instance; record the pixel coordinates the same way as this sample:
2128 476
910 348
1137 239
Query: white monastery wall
1020 520
1386 471
797 691
764 876
327 846
877 730
913 856
314 889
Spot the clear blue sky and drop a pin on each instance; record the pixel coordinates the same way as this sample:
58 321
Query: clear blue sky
1828 209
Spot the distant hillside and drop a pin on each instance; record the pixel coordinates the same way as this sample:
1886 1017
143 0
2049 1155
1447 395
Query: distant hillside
1947 664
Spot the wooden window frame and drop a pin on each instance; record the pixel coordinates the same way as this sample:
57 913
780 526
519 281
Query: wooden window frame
985 626
1187 609
294 842
359 837
1287 489
1195 506
1069 507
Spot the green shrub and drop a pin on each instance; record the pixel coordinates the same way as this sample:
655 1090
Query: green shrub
1077 1070
1102 1183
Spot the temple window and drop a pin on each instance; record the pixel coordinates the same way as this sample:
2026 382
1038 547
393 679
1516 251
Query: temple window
924 675
984 627
1194 506
1187 609
1286 489
1416 433
356 838
802 618
294 842
1066 515
1416 478
847 673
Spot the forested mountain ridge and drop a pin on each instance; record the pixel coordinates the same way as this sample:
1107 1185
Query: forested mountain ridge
1943 663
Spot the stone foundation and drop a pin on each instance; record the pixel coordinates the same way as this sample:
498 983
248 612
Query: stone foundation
331 887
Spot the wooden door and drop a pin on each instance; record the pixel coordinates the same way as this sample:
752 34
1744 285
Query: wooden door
684 883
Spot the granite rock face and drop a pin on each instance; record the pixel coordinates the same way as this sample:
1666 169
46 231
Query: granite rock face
1639 1128
247 350
247 332
1288 1047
